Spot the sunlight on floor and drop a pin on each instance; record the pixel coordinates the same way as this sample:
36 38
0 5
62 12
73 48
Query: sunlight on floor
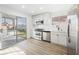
12 51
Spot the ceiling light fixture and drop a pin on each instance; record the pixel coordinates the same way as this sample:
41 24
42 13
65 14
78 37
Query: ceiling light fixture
41 8
32 11
23 6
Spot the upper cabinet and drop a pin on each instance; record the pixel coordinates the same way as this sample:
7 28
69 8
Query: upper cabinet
41 19
59 19
38 20
60 22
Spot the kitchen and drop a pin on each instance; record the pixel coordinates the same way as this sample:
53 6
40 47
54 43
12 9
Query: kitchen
56 29
51 29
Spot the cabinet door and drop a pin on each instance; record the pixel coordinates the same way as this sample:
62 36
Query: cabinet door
54 38
62 39
58 39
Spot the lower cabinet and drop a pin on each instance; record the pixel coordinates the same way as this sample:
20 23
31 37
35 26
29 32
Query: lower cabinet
54 38
62 40
58 38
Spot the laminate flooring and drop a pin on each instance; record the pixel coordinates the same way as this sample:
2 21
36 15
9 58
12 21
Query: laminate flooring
38 47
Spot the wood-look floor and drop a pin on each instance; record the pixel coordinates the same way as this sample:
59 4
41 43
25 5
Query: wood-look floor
37 47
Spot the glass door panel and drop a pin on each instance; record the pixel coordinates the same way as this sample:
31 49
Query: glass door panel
11 26
21 28
7 32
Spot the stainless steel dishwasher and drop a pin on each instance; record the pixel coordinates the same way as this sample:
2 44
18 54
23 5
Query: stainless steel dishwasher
46 36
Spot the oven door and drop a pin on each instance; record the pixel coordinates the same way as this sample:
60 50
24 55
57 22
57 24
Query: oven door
38 35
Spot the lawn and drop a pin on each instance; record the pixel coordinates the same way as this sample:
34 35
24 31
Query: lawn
21 34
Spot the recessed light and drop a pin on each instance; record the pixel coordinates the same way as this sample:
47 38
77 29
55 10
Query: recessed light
41 8
32 11
23 6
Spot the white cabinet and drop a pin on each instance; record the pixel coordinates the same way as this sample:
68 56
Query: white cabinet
54 38
58 38
62 39
41 21
37 20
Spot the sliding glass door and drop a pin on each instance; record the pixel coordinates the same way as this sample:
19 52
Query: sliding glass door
21 28
7 32
12 31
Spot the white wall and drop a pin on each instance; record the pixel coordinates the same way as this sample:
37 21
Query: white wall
29 27
60 13
48 19
48 22
62 25
11 12
49 27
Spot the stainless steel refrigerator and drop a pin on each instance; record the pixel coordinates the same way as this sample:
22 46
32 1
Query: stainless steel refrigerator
72 35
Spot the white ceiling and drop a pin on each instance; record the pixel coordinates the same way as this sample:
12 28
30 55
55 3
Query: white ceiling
33 9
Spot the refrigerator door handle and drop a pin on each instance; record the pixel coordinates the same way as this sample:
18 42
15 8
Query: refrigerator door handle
69 40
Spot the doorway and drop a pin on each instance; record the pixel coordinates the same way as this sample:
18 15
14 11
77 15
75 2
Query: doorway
21 28
12 31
